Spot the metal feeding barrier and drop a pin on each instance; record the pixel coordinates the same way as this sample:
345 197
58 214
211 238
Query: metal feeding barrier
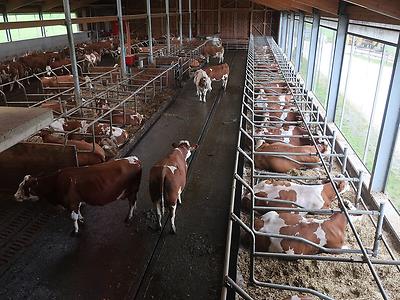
270 79
109 87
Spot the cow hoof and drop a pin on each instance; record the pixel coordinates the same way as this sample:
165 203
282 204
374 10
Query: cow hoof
74 234
128 222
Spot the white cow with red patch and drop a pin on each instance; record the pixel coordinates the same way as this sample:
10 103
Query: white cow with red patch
313 196
204 77
328 233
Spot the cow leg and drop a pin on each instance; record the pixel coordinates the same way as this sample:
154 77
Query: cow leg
132 209
172 211
75 218
159 213
225 82
80 218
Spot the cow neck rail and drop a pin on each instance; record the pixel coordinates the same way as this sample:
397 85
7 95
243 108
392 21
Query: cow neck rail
260 70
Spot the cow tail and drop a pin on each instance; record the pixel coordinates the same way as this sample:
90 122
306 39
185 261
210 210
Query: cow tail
163 173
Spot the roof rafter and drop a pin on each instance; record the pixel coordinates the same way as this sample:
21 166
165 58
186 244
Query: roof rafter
329 6
390 8
13 5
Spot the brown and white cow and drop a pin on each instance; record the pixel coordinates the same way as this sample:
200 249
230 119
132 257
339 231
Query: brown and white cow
204 77
214 51
95 185
283 164
86 153
309 196
288 135
168 180
328 233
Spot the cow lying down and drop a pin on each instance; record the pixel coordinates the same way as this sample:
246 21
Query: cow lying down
309 196
329 233
95 185
284 164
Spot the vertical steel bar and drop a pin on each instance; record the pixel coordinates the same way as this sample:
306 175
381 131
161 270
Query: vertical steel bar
190 20
180 22
121 38
338 56
149 33
378 232
299 41
313 49
168 28
70 34
291 31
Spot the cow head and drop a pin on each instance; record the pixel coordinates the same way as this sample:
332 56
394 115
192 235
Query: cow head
343 185
26 189
185 148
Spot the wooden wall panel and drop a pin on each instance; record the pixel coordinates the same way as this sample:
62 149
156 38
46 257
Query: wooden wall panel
234 18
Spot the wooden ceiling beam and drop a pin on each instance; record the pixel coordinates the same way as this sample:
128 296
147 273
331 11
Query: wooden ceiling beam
14 5
81 3
389 8
329 6
50 4
361 14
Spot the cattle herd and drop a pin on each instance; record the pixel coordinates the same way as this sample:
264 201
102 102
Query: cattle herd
281 145
113 179
53 61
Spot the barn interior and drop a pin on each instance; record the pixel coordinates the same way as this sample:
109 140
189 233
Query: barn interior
91 82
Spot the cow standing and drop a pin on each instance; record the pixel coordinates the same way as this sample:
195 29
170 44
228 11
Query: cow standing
204 77
95 185
168 180
214 51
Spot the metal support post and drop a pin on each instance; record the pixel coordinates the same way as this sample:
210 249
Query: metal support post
190 20
389 130
280 29
290 39
121 38
180 22
284 31
149 33
299 42
313 50
337 65
168 28
68 25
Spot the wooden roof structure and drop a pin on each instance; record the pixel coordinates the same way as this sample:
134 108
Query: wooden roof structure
380 11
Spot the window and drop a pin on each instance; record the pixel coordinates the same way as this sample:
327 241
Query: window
24 33
363 89
294 46
3 34
323 63
58 29
392 185
305 49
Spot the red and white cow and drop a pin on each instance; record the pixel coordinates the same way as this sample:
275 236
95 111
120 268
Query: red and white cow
214 51
286 135
329 233
283 164
204 77
309 196
168 180
95 185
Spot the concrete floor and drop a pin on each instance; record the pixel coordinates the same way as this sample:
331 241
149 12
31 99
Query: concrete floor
112 261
